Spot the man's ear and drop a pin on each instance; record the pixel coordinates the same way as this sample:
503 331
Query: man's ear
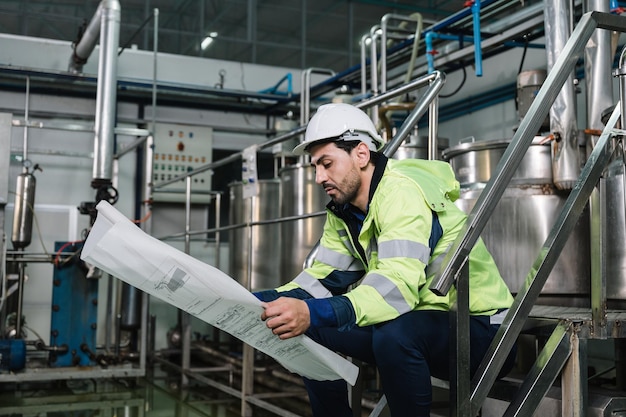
362 154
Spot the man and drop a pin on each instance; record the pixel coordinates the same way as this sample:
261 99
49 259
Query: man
366 295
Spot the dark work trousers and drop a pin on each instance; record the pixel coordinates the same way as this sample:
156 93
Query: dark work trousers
406 351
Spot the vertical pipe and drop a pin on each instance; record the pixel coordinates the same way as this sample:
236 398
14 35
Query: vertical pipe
599 89
364 39
433 129
20 298
598 64
478 54
565 154
218 224
374 34
303 34
25 138
185 324
106 94
247 372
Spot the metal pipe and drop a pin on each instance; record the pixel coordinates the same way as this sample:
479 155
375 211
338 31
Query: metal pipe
218 212
402 89
563 125
374 35
621 72
384 25
436 83
433 129
87 42
106 94
364 39
478 54
305 95
25 138
599 88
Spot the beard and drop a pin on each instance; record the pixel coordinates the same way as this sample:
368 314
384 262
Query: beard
347 190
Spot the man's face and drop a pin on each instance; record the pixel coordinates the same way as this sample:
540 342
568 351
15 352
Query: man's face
337 171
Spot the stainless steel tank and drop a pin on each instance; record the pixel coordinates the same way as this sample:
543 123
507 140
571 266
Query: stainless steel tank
265 246
613 206
23 213
520 223
300 195
475 162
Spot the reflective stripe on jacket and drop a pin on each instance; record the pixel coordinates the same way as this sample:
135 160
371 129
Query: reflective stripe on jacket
391 253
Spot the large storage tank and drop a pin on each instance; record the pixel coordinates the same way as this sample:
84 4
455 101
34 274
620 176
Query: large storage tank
520 223
300 195
265 245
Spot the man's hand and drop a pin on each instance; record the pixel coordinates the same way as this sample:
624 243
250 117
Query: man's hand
287 317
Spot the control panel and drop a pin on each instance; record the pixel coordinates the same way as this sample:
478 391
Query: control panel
179 149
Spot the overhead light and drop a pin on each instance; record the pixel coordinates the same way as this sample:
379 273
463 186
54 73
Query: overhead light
206 42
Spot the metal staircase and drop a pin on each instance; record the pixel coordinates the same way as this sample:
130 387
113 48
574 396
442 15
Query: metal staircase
565 352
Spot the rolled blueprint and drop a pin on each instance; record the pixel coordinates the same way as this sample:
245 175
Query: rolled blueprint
120 248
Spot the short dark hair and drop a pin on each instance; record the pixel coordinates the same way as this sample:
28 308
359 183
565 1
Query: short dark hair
346 145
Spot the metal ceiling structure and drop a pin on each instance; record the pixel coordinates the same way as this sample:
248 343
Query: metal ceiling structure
286 33
326 35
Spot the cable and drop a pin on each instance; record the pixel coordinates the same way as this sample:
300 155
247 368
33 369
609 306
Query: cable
72 254
459 87
3 271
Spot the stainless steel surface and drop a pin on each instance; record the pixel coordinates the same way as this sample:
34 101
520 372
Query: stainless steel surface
475 163
613 204
416 147
299 195
84 48
516 231
599 88
23 212
528 84
106 97
265 247
566 156
598 64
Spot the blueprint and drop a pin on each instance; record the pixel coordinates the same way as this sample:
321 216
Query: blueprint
120 248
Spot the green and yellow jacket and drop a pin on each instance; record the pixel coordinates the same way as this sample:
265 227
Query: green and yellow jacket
372 267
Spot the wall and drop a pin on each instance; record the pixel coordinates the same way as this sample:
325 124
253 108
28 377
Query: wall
66 155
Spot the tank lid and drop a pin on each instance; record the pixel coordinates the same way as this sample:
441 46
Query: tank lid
483 145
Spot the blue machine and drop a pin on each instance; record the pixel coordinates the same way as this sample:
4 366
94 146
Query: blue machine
12 354
74 310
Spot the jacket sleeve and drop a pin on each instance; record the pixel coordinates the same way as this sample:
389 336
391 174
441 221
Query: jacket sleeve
334 268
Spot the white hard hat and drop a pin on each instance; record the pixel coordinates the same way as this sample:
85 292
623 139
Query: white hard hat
340 121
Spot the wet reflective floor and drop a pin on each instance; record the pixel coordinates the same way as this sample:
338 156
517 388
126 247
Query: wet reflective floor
153 397
113 398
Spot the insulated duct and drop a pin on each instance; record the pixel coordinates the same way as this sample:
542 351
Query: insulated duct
87 42
558 16
598 65
106 95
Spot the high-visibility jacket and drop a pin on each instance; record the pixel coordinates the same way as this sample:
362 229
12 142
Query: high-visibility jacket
386 267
